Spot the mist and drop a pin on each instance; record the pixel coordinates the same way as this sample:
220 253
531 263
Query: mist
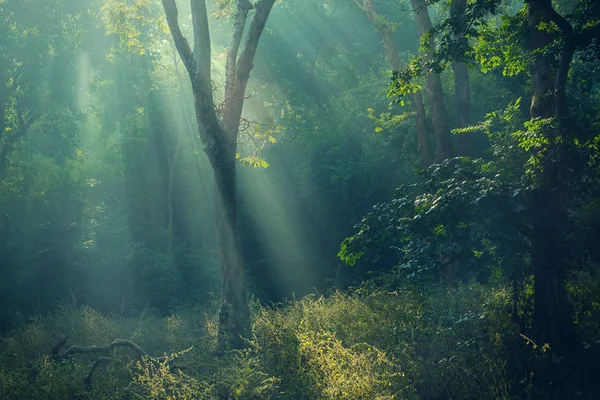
400 171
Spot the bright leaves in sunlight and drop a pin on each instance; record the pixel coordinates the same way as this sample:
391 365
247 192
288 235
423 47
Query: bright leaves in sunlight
129 21
253 139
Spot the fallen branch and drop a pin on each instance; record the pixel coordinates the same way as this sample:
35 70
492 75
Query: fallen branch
108 348
88 378
59 346
75 349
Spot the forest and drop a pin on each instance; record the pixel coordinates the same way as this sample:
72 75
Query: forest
299 199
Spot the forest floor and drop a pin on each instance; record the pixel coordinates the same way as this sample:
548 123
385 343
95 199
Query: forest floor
368 343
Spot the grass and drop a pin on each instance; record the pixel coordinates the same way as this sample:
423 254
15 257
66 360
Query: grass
369 343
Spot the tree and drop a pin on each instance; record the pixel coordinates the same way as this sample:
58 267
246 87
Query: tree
552 42
462 93
540 40
386 30
218 130
435 92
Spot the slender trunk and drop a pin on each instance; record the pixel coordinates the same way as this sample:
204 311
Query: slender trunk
393 58
422 136
461 81
417 102
435 92
416 98
463 106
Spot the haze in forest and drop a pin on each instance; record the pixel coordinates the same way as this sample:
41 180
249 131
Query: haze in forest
337 199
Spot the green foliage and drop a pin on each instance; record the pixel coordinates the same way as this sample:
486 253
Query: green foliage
455 39
385 339
321 348
503 45
158 381
135 23
258 136
444 224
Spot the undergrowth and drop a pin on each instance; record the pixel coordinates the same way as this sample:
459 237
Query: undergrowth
370 343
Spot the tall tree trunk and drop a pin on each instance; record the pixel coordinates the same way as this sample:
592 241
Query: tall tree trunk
550 255
234 313
391 52
415 98
219 140
435 92
422 136
461 81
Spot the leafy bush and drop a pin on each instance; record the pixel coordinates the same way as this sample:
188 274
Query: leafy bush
386 339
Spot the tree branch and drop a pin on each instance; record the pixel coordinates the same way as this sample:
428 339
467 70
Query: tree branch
244 64
75 349
201 39
59 346
359 5
585 37
181 43
87 381
243 7
23 126
197 64
565 27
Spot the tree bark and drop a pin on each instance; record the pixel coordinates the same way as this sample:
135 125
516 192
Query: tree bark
550 254
234 313
391 52
435 92
219 140
461 81
422 135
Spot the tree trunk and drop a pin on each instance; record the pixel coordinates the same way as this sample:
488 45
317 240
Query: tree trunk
422 136
550 254
416 99
461 82
435 92
234 313
219 140
391 52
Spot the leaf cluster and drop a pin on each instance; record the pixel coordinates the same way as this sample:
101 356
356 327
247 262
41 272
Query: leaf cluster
462 213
